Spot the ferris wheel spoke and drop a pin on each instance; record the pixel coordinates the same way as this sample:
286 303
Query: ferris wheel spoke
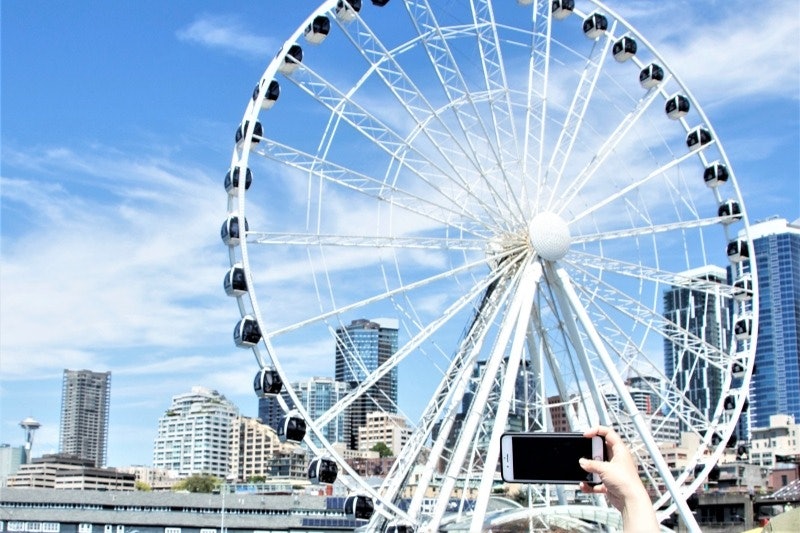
647 231
404 351
612 142
403 243
588 263
382 61
537 95
633 186
575 115
378 297
497 89
457 91
445 211
400 150
647 317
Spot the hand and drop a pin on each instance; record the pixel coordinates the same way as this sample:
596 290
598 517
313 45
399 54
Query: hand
620 482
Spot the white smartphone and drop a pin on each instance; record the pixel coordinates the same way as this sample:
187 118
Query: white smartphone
549 457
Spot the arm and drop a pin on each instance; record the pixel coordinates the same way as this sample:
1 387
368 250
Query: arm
620 482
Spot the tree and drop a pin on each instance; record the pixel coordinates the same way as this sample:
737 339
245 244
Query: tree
142 486
197 483
382 449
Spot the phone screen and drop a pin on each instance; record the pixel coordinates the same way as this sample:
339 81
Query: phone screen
548 457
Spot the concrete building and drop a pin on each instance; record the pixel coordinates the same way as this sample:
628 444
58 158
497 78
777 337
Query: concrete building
390 429
59 471
85 402
195 434
780 438
254 449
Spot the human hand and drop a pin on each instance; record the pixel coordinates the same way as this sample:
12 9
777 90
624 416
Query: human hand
620 482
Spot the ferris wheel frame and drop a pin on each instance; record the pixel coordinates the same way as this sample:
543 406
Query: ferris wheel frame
530 275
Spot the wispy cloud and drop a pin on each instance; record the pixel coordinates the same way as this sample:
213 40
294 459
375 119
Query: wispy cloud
729 54
228 34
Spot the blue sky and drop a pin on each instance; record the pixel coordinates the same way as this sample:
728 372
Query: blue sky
117 129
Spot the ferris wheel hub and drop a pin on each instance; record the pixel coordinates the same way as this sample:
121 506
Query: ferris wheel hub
549 236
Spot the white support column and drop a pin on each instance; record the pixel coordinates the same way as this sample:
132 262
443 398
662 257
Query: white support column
565 285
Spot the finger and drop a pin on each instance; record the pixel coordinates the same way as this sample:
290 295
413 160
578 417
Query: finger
592 466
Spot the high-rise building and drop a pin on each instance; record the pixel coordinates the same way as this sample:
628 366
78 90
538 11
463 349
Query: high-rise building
775 385
317 396
195 434
361 348
85 399
694 313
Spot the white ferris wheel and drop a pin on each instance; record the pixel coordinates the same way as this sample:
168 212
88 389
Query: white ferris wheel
519 185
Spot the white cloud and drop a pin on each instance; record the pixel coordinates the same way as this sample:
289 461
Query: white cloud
228 34
84 275
725 53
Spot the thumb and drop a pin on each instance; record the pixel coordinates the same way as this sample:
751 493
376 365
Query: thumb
592 466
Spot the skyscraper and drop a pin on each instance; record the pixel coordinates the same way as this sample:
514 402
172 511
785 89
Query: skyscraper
361 348
775 386
705 315
85 399
195 434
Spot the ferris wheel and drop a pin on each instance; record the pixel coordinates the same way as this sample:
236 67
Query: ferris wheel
539 206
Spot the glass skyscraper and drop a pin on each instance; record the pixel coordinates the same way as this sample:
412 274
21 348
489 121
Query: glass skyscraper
317 396
696 313
775 386
361 348
85 398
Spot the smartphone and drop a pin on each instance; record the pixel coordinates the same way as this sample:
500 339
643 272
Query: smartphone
549 457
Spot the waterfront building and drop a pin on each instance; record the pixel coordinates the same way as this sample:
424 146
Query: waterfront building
195 434
60 471
85 399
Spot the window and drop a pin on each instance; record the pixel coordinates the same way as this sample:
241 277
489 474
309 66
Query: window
173 530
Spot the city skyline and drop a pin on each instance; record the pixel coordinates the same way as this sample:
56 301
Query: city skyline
114 151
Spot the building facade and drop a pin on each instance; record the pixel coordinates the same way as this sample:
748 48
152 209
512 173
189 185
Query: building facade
693 313
361 348
85 402
390 429
778 440
775 385
254 449
195 434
